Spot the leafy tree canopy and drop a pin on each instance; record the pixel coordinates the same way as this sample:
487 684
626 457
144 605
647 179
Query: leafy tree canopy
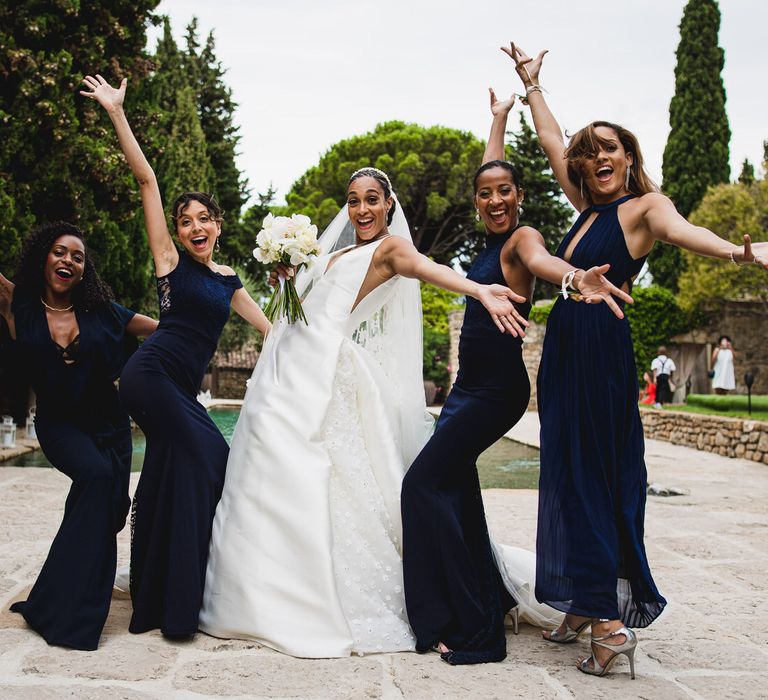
431 169
730 211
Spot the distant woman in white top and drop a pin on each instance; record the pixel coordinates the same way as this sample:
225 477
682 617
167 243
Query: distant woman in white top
662 367
724 378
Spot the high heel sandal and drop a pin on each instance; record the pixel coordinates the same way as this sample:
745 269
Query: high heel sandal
570 635
627 647
514 618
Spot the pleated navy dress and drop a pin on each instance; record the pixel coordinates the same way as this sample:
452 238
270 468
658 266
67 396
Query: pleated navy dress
86 434
186 454
453 591
590 556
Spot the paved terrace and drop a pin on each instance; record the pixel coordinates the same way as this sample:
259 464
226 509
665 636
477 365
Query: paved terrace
707 550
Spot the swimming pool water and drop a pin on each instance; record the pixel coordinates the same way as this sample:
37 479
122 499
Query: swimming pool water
504 465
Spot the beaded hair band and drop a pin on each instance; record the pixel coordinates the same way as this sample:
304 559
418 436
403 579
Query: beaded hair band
375 170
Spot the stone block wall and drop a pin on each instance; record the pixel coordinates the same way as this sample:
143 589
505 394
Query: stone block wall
746 323
730 437
229 382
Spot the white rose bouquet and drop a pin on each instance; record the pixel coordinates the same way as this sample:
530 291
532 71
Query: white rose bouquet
291 241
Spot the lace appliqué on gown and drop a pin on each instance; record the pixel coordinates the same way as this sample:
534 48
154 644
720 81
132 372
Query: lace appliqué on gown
366 555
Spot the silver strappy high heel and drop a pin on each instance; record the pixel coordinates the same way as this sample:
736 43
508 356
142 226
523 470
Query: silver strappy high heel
627 647
569 635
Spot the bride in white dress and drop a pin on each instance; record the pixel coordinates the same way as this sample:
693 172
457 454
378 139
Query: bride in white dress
305 554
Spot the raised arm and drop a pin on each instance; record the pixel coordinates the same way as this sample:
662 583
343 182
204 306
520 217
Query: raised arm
663 223
591 284
494 150
165 255
547 129
399 257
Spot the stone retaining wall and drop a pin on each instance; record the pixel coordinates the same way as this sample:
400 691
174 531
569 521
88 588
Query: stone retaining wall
730 437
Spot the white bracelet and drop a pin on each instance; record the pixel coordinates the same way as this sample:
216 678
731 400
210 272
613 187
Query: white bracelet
566 282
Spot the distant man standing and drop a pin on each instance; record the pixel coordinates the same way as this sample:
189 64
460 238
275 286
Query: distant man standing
662 367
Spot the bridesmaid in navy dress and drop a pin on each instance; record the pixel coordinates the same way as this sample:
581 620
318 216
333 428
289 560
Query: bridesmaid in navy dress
591 560
71 341
455 596
186 455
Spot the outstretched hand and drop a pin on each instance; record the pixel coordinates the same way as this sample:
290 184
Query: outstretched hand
497 299
101 91
500 107
527 68
753 253
595 288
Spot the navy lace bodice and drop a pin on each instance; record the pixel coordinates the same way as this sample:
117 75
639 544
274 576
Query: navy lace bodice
194 306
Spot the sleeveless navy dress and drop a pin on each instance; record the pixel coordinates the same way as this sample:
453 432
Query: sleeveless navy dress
186 455
453 591
590 557
86 434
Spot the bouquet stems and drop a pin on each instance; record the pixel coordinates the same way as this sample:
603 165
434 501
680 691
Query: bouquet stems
285 302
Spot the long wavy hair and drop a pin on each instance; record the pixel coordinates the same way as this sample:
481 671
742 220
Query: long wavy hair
90 293
585 144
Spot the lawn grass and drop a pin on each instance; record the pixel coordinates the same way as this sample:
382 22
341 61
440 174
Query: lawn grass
756 415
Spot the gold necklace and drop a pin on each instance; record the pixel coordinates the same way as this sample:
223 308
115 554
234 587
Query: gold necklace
53 308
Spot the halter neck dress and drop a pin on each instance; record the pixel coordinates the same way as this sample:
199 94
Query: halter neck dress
590 555
453 589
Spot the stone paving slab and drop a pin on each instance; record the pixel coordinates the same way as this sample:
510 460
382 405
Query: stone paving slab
708 551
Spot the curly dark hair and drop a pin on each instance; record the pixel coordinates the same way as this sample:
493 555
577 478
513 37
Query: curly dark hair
207 200
90 293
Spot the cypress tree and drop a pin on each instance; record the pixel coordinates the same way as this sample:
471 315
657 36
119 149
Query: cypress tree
747 175
181 161
215 110
696 154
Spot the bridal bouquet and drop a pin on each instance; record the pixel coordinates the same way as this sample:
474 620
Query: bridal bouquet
291 241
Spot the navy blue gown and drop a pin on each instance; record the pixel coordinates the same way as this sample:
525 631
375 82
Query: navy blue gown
590 557
86 434
186 455
453 590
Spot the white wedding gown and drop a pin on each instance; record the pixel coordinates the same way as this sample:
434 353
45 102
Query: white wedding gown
305 552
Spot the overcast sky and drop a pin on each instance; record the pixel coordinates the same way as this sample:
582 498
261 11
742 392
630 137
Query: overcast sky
306 73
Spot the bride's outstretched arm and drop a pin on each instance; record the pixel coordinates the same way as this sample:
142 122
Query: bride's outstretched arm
399 257
164 252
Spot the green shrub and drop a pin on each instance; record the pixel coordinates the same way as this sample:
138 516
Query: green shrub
728 402
654 318
436 305
540 313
